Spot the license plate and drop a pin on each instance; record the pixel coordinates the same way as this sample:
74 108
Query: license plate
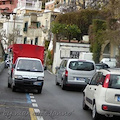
118 98
80 79
37 83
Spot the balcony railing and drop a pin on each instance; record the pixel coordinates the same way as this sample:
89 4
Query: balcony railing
32 32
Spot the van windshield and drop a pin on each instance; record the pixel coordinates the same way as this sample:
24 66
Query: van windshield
29 65
81 65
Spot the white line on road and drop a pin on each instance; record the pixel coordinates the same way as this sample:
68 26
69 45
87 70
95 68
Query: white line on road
37 110
39 118
32 97
30 93
34 104
33 100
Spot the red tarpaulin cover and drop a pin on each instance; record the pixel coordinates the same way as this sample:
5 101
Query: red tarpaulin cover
27 50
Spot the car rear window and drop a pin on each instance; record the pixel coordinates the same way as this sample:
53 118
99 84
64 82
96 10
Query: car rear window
81 65
114 81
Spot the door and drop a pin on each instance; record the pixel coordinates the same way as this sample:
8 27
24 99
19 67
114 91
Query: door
91 89
61 70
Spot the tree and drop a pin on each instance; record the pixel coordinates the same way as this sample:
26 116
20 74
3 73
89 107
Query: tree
64 30
97 37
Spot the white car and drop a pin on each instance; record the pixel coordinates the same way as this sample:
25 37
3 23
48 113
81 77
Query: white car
102 94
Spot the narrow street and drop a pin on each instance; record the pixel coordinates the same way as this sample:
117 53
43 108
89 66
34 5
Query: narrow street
52 104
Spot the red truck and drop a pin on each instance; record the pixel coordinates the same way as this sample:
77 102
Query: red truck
27 70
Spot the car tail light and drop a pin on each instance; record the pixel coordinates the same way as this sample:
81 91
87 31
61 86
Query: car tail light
104 107
106 82
66 73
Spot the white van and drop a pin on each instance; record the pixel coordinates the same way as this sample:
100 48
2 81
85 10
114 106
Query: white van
74 73
28 73
111 62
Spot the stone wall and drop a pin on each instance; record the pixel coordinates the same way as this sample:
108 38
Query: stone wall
2 66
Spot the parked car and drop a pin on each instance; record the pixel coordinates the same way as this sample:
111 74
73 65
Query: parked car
7 63
111 62
74 72
102 94
101 66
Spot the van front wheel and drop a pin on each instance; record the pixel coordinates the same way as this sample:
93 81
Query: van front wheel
13 88
39 90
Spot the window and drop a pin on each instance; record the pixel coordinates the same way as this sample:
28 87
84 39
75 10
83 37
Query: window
38 24
63 64
114 81
3 2
25 40
97 79
36 41
31 42
10 2
81 65
29 65
26 26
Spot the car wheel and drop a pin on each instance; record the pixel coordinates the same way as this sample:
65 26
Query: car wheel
84 106
9 85
13 88
39 90
95 115
56 82
62 85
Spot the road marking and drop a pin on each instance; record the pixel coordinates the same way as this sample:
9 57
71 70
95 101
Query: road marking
33 100
32 114
34 104
37 111
28 98
31 96
35 115
7 106
40 118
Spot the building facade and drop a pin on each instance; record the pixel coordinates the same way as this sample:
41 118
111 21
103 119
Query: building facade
8 5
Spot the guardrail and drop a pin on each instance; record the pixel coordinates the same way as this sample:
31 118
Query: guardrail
2 66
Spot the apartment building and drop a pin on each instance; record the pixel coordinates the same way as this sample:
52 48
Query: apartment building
8 6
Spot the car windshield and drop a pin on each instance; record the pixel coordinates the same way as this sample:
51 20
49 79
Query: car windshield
29 65
81 65
114 81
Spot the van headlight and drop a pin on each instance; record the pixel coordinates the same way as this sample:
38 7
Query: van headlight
18 77
40 78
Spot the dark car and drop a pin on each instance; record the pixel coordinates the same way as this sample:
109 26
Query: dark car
101 66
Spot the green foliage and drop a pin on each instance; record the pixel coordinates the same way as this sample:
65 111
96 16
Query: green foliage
46 44
97 30
82 19
69 31
49 58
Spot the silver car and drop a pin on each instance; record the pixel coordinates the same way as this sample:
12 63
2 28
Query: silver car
74 73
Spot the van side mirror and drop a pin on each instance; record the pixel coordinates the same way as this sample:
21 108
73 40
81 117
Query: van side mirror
45 67
87 80
13 65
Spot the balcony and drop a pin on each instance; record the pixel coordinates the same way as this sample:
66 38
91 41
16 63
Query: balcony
34 32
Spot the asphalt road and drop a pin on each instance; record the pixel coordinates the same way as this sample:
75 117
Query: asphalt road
52 104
